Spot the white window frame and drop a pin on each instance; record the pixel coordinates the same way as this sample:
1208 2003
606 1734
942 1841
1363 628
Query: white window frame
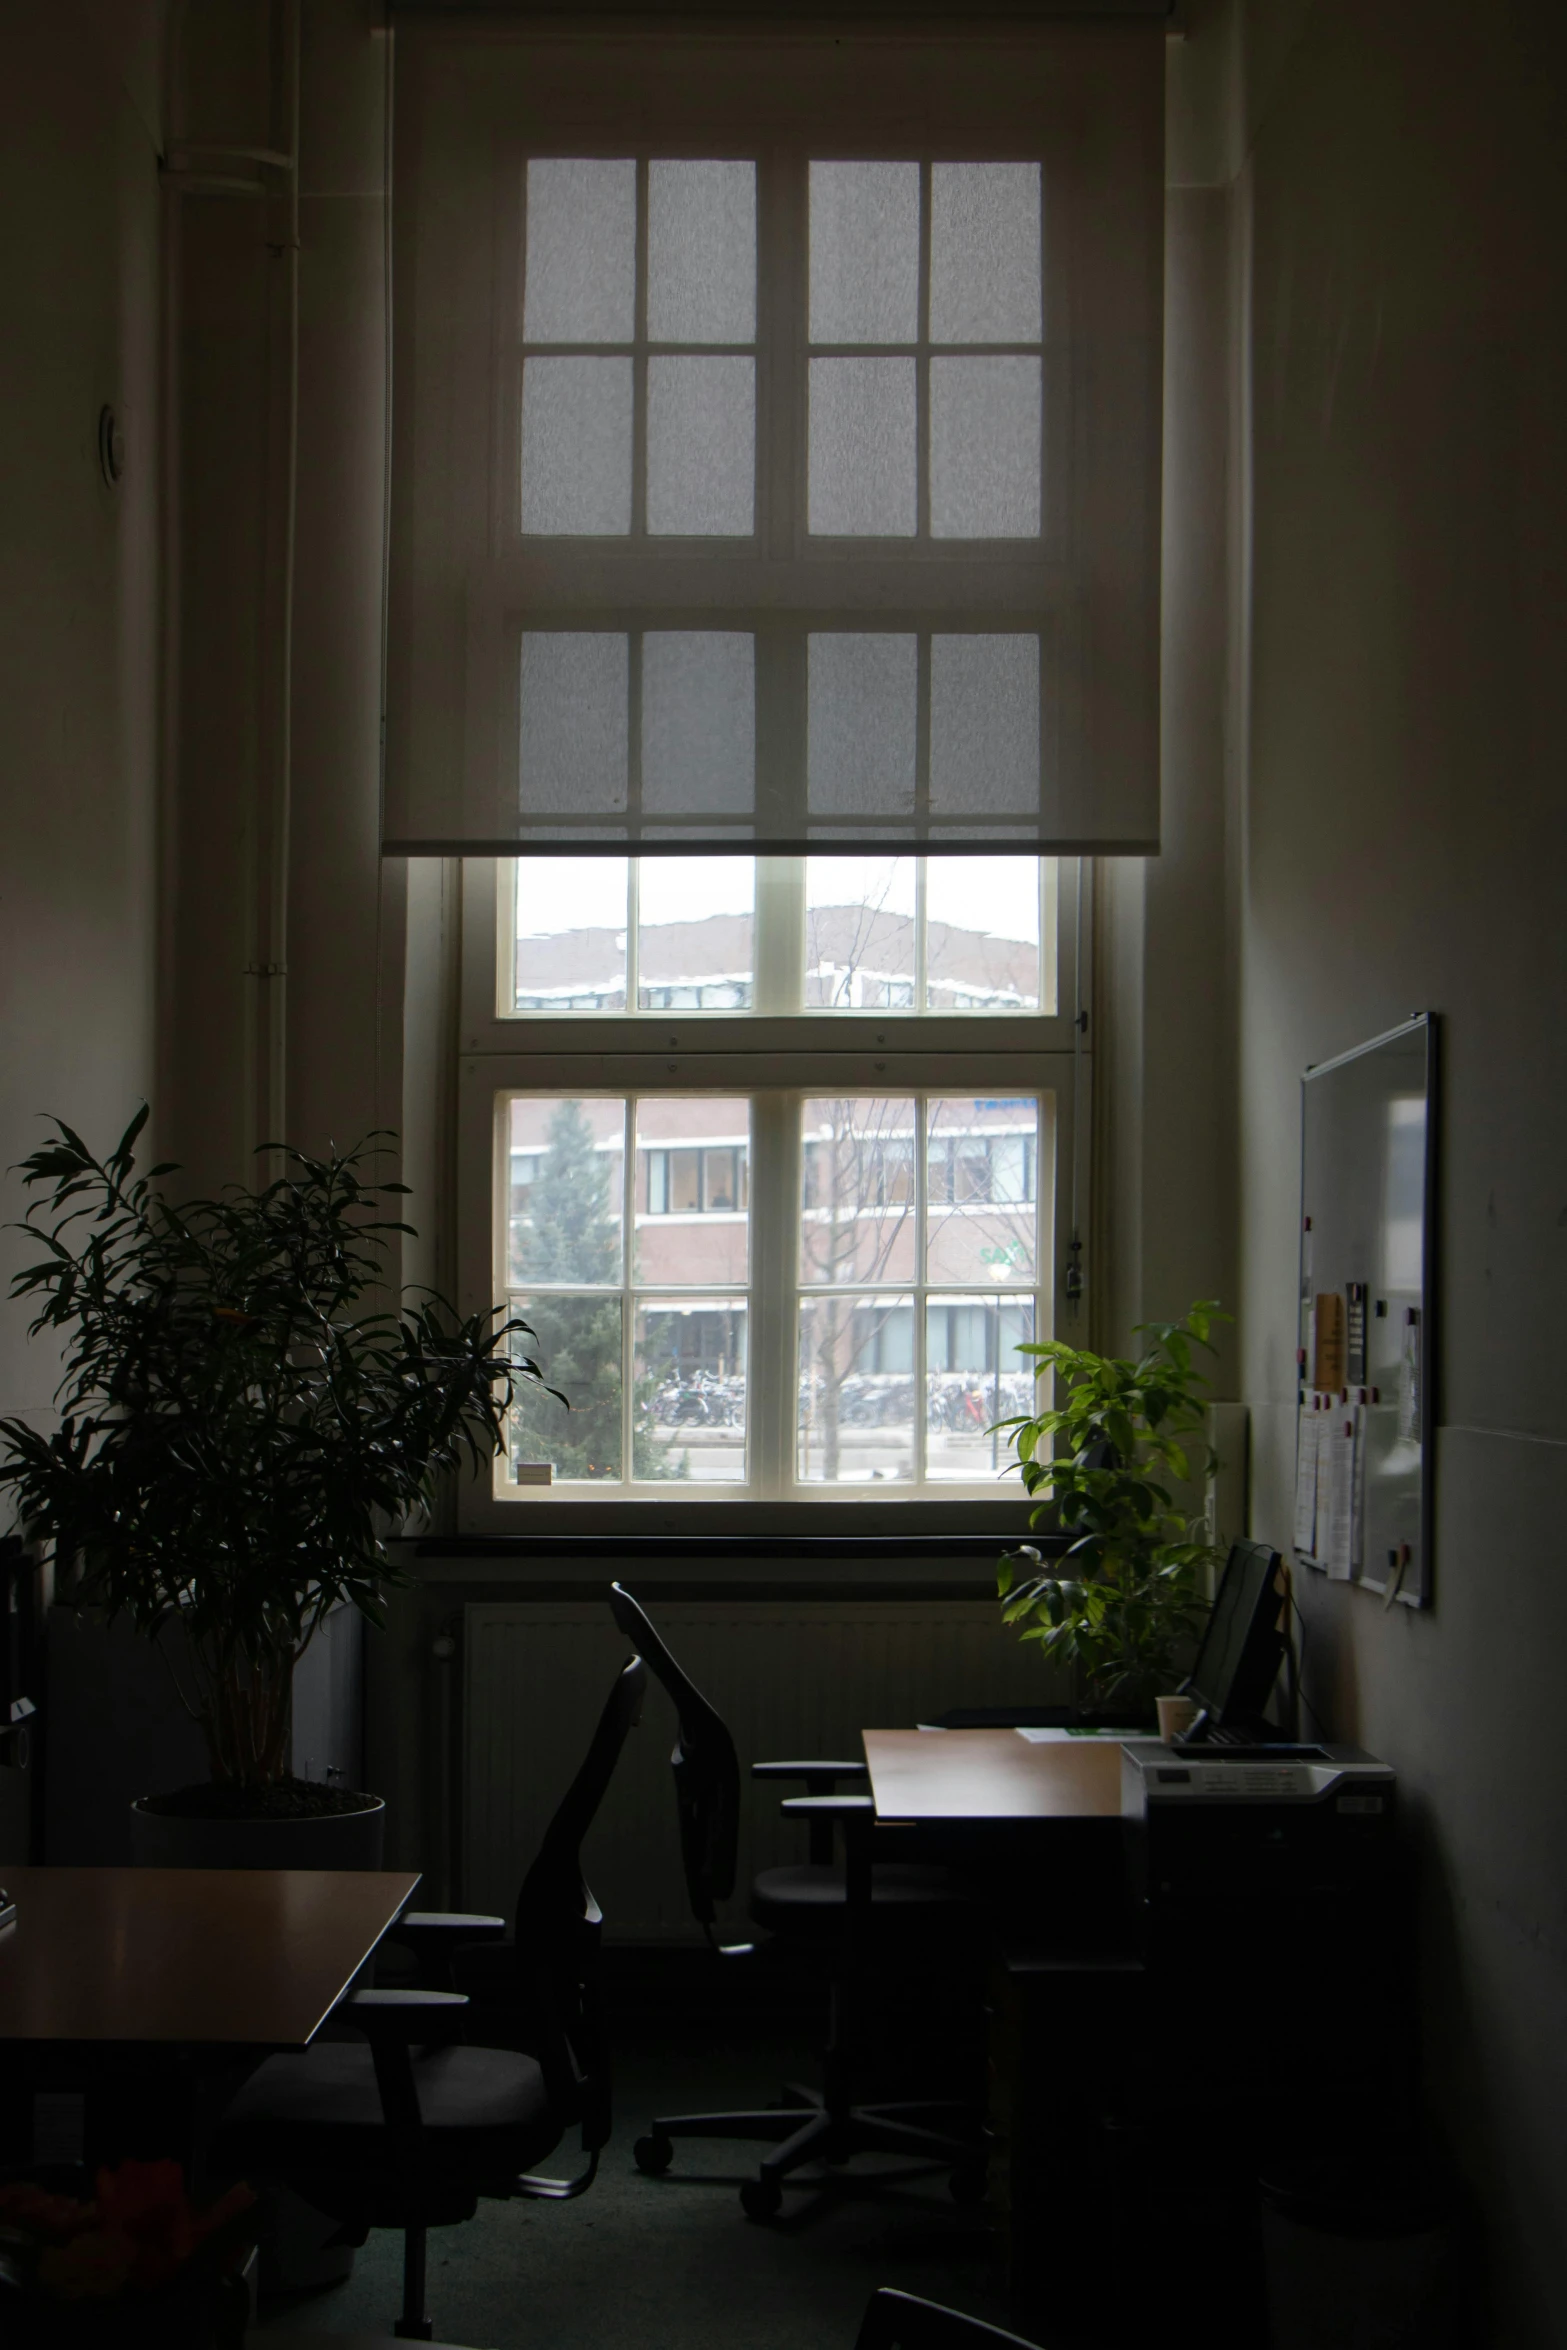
774 1059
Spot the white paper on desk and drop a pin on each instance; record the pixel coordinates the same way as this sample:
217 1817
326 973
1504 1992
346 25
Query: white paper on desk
1306 1466
1072 1737
1336 1494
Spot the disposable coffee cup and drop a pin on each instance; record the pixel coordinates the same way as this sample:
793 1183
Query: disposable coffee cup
1175 1715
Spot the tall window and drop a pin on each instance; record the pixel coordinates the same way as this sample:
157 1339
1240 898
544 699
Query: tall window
779 1157
772 600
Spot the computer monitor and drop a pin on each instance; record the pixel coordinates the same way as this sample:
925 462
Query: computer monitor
1244 1640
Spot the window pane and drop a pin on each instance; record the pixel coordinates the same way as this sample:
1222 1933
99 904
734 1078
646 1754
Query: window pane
701 447
577 1343
862 715
862 461
581 252
695 931
573 722
984 725
857 1190
865 252
981 1219
691 1389
859 933
984 253
701 280
982 934
855 1423
568 1228
570 953
974 1377
692 1223
698 722
576 447
984 448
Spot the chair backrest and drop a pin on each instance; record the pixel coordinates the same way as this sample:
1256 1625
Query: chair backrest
560 1926
707 1769
901 2321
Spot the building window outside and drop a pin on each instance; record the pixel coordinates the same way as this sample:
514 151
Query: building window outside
890 1338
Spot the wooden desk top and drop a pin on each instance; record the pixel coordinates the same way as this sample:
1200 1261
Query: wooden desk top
991 1775
243 1957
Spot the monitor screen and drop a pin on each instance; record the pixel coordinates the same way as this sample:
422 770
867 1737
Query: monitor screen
1242 1643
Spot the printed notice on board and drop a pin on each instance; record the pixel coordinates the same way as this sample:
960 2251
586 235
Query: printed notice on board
1336 1494
1329 1368
1306 1479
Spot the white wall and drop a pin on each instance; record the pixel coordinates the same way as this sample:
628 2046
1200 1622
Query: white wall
1403 845
80 248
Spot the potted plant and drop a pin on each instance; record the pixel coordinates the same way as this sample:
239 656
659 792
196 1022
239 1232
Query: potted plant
1121 1607
244 1420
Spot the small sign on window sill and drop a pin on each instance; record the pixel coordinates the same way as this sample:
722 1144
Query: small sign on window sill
532 1472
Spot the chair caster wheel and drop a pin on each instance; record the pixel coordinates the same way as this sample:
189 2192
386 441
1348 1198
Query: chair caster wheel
653 2156
761 2198
967 2186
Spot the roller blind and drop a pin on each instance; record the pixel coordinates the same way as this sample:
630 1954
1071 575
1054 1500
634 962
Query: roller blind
777 440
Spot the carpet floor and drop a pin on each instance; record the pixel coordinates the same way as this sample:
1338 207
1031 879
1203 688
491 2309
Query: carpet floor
672 2263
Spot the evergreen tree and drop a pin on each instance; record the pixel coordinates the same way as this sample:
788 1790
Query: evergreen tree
573 1235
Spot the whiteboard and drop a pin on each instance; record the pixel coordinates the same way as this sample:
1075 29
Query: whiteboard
1365 1353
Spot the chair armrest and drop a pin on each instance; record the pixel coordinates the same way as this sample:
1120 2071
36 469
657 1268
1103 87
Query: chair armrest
828 1807
820 1777
394 2022
820 1811
469 1926
436 1935
399 2015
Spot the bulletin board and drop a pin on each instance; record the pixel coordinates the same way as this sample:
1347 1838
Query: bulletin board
1366 1354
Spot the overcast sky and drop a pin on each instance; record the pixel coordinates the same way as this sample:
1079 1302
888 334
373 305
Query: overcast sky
999 895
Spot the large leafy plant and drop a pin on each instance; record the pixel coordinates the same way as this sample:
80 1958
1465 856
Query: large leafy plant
242 1420
1120 1608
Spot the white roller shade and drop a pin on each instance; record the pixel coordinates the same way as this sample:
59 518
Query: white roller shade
777 440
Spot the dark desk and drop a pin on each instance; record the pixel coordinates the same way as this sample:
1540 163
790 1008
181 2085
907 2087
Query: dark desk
923 1776
253 1958
1037 1829
152 1992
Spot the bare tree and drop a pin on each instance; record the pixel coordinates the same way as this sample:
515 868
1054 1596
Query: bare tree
859 1205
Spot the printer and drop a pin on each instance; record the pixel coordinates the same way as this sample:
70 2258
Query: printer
1250 1825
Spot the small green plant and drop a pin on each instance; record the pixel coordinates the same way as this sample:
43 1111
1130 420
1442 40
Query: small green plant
242 1425
1121 1607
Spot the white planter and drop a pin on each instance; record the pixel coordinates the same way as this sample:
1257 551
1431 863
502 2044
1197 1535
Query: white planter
338 1840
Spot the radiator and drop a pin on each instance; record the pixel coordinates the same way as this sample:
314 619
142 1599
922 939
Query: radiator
791 1678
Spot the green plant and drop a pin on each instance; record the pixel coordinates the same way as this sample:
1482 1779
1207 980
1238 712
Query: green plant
1123 1603
242 1426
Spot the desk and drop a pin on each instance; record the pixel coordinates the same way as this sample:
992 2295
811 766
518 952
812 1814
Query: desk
252 1958
1036 1829
927 1775
151 1992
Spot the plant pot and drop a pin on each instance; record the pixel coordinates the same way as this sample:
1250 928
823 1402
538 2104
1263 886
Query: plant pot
336 1840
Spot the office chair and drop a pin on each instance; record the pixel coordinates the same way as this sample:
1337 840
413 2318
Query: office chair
901 2321
850 1911
410 2130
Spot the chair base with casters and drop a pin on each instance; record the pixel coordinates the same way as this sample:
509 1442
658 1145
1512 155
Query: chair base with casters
830 2126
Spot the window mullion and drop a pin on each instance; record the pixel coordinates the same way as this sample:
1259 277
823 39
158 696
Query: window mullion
771 1380
780 934
628 1313
921 1156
